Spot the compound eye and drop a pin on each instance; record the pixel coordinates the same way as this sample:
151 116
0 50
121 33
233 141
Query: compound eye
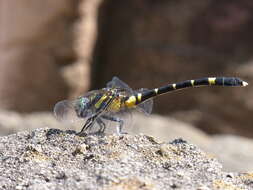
84 103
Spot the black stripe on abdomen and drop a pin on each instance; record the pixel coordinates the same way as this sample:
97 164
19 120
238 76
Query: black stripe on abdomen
146 95
212 81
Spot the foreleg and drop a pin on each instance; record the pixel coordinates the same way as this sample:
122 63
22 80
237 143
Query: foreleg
89 123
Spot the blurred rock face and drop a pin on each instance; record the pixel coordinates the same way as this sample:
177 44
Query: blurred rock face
144 43
35 37
151 43
78 75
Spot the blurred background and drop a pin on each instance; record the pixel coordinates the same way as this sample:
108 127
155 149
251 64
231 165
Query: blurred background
54 50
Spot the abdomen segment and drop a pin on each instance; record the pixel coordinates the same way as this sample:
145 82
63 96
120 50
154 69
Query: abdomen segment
211 81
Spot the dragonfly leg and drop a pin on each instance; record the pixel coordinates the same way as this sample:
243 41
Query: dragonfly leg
89 123
115 119
101 125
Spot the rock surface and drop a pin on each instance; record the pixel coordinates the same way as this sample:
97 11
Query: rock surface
234 152
55 159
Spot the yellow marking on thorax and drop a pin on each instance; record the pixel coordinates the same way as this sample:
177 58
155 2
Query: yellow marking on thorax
174 86
192 82
211 80
100 101
131 102
115 105
139 97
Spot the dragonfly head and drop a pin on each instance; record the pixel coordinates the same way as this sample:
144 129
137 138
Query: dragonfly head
82 107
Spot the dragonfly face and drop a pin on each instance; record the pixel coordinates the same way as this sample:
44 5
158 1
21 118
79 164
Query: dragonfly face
83 107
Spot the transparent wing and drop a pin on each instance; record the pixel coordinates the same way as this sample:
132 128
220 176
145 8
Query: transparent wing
125 116
147 106
66 111
71 111
117 83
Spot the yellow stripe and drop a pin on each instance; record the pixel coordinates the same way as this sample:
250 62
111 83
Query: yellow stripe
156 90
192 82
211 81
131 101
174 86
139 97
115 105
100 101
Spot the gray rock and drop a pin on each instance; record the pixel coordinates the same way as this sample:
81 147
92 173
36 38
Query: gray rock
234 152
54 159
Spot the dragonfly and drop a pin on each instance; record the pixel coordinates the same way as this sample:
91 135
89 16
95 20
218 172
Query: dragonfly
117 98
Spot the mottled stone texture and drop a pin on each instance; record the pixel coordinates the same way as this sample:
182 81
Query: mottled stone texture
36 40
150 43
54 159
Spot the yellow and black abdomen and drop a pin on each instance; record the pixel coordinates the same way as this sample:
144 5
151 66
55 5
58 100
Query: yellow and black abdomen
212 81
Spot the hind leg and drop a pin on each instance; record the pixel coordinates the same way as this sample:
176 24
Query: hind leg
101 125
115 119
